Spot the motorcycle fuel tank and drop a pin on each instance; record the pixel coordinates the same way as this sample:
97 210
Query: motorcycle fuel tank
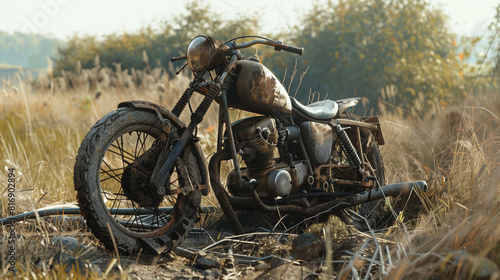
259 90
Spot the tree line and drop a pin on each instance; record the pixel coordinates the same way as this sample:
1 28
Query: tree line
352 47
27 50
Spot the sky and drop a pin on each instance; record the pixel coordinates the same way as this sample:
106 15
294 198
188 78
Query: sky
63 18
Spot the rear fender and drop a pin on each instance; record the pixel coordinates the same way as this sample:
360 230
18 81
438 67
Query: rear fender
166 114
347 103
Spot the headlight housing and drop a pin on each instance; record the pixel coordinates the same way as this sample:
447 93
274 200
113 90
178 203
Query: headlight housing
206 53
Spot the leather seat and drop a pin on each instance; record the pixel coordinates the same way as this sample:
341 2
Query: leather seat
321 110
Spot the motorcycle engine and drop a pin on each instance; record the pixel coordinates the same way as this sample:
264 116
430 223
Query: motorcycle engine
257 138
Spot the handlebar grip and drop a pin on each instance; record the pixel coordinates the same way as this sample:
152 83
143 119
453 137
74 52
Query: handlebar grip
289 48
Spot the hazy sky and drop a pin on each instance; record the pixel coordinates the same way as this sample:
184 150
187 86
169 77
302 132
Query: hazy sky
63 18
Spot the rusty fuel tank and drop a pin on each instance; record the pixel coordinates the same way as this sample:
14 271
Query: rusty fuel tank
258 90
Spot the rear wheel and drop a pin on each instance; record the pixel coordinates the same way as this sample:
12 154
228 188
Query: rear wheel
112 179
370 214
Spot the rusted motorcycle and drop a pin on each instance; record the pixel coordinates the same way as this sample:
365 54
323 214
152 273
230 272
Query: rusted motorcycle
140 173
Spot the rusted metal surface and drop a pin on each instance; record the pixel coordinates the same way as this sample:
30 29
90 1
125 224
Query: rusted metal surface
220 192
326 173
206 53
348 201
257 137
168 236
318 139
259 90
348 122
377 133
146 105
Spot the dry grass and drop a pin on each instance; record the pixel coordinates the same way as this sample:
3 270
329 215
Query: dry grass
455 148
43 121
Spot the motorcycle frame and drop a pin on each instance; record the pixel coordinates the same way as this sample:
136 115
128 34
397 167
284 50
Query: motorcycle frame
226 149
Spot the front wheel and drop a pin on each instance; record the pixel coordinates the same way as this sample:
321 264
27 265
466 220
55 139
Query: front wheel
112 179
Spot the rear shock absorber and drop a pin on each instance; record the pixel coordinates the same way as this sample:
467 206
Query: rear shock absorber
346 144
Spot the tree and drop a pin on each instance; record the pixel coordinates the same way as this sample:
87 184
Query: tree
359 47
26 50
495 30
159 46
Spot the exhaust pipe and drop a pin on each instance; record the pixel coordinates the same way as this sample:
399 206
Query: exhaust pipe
256 204
396 189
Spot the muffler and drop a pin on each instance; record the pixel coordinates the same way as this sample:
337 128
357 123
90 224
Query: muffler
396 189
255 203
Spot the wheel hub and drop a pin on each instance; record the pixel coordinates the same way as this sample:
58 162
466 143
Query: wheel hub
136 178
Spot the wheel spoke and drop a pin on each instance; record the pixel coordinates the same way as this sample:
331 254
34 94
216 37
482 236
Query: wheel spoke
125 154
137 220
111 173
112 177
143 142
114 202
122 151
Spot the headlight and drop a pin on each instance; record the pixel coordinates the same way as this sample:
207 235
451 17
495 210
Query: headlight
201 54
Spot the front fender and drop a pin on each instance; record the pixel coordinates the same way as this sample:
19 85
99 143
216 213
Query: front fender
150 106
165 113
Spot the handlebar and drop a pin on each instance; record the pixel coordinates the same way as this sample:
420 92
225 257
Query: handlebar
278 46
288 48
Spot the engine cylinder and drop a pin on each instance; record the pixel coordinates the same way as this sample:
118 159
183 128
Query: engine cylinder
258 137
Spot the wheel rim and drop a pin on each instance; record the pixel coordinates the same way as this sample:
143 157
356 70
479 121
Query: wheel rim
123 149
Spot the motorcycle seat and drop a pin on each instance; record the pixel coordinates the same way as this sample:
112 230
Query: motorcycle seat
321 110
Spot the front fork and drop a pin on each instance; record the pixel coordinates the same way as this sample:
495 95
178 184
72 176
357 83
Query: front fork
161 173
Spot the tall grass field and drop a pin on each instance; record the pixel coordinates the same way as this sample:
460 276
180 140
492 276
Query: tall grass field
454 232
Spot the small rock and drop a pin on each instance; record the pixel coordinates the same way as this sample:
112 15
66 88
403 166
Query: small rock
72 264
484 267
307 247
275 262
287 271
249 273
60 257
208 262
338 229
261 267
66 242
215 273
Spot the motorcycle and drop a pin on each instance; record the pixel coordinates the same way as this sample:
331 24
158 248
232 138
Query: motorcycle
140 173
